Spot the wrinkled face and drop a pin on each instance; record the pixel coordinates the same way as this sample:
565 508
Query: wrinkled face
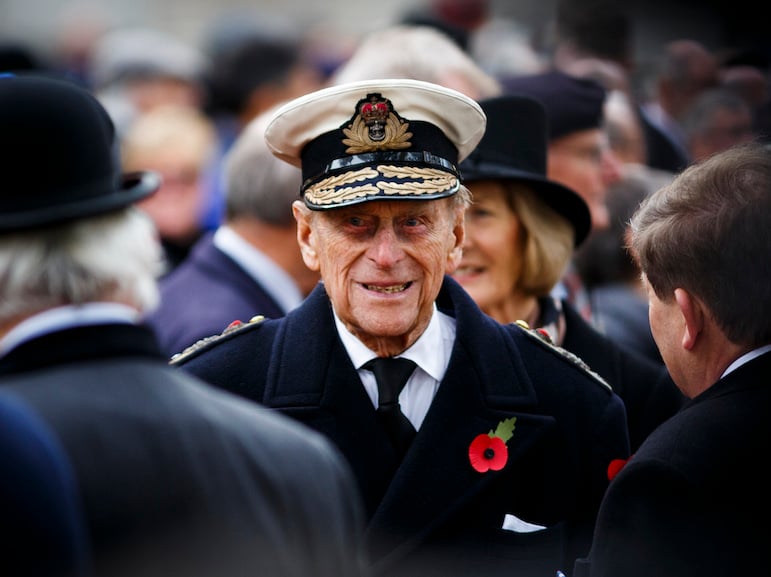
382 263
492 253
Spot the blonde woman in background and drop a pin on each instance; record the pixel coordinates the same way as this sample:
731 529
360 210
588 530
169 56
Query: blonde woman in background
178 143
521 231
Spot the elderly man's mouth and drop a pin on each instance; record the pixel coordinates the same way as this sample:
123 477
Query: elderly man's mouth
391 289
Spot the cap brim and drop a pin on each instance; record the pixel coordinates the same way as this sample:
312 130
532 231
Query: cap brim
134 187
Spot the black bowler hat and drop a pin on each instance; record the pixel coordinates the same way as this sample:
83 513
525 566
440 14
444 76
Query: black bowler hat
514 147
388 139
58 156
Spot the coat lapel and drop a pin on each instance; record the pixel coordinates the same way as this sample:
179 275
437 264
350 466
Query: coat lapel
313 380
81 343
481 388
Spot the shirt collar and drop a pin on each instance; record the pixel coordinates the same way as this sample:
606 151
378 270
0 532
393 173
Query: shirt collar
65 317
431 352
746 358
274 279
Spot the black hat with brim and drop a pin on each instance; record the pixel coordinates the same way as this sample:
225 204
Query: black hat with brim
58 156
514 147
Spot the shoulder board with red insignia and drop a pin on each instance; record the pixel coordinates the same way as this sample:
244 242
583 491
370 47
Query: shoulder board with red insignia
232 329
543 337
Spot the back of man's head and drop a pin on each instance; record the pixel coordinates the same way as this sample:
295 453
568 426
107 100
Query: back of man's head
709 233
68 233
257 184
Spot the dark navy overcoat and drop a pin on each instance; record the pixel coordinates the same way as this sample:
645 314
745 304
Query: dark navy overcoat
433 513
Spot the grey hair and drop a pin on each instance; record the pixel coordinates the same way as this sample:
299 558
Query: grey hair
114 257
258 184
548 240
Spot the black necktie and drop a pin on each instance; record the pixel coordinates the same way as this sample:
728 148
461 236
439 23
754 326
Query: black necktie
391 375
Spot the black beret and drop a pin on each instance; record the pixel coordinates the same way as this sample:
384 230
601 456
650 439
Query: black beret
572 104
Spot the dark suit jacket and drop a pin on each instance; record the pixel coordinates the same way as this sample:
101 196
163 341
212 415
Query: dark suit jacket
203 295
649 394
179 478
661 151
622 316
39 500
694 499
433 514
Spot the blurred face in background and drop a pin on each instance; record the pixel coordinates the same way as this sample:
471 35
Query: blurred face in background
176 142
150 93
177 206
728 127
584 162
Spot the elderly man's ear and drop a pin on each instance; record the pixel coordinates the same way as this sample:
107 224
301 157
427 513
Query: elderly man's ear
693 317
456 252
301 215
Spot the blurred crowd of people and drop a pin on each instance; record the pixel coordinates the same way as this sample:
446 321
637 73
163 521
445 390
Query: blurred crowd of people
576 142
690 101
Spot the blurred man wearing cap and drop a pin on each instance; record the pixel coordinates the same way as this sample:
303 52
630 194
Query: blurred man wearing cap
520 234
175 477
508 464
134 70
578 154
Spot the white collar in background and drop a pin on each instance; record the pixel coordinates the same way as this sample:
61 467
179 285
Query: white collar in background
274 279
65 317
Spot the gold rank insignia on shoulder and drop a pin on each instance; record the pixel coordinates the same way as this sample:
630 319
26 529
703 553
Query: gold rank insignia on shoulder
376 126
542 336
233 328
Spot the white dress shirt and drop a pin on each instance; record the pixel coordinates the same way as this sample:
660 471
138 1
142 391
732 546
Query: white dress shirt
431 353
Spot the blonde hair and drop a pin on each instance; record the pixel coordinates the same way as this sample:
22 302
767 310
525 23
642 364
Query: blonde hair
184 129
547 240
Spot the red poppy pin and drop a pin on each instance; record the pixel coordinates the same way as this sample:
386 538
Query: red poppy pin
615 466
488 451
